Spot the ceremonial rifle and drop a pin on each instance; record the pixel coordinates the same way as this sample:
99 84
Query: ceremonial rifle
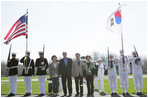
136 51
8 59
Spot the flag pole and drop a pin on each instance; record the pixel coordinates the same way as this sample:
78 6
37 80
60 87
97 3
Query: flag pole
26 44
122 46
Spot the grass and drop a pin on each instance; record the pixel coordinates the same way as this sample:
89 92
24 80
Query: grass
131 88
21 88
47 76
20 77
35 86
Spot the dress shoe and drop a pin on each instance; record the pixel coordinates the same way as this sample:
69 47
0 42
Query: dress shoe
27 94
10 95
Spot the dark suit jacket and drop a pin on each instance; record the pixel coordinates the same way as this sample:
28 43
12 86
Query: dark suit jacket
30 71
39 66
63 70
13 63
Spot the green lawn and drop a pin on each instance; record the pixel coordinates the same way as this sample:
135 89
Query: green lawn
20 77
35 86
47 76
131 88
21 88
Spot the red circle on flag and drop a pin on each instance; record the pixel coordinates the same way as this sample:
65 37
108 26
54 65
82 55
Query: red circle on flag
118 14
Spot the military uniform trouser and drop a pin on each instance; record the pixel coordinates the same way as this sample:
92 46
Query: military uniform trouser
28 84
113 82
101 84
12 84
124 80
138 81
41 79
60 84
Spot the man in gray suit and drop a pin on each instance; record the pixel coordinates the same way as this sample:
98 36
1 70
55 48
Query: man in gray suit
77 73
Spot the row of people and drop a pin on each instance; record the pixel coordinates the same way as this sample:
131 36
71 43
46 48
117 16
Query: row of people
123 69
67 68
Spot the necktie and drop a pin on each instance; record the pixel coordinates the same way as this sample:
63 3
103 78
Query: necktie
78 63
111 64
136 61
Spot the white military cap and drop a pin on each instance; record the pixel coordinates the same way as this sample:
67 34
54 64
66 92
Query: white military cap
28 52
133 52
110 54
99 59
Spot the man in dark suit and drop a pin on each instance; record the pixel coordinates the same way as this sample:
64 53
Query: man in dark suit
65 71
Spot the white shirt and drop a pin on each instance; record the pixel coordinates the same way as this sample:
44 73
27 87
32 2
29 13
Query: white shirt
123 68
111 71
100 70
55 65
136 68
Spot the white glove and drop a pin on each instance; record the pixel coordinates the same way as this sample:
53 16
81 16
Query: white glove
42 63
26 55
43 68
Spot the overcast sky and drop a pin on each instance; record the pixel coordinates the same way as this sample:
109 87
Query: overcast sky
74 27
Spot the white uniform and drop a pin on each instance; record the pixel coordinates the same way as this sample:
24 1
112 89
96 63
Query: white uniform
60 84
112 74
123 72
41 79
100 76
137 72
12 84
28 84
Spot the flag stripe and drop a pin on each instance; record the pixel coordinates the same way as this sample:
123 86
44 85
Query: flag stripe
19 28
19 23
16 27
24 33
22 29
15 35
11 29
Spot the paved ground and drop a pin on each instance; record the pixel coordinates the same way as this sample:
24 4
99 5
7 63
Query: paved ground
96 94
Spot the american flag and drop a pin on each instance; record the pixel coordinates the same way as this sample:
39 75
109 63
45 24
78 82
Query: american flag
19 28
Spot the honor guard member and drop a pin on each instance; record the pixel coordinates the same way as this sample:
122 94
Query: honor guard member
13 72
137 64
123 72
100 75
42 65
28 71
77 73
112 74
89 74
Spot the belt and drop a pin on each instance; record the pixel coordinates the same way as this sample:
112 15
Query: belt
12 67
40 67
27 67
